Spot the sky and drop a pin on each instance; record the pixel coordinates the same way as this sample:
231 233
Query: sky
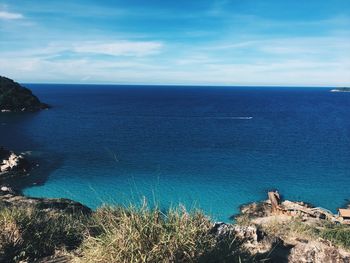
198 42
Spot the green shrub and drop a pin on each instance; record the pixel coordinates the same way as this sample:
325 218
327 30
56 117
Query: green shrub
338 234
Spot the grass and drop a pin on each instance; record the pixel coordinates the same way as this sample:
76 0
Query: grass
114 234
148 235
338 234
28 234
139 234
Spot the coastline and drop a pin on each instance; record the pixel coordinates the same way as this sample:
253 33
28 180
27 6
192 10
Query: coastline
260 232
267 230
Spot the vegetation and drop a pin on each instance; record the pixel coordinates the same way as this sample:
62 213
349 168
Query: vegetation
140 234
14 97
337 234
114 234
148 235
27 234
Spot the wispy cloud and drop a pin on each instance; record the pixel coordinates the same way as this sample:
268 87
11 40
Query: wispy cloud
174 42
5 15
116 48
119 48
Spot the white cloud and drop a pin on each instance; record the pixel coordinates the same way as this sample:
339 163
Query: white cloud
86 48
119 48
4 15
288 72
252 60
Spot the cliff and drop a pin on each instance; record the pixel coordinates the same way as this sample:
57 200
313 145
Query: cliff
15 98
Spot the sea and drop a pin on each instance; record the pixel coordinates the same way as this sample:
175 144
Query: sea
208 148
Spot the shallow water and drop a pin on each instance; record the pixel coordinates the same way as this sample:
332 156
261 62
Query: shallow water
208 147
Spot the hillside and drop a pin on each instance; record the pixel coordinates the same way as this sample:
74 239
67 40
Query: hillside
15 98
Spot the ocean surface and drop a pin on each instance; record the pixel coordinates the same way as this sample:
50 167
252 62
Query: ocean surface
213 148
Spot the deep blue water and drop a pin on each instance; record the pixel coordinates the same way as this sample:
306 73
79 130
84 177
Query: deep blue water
103 144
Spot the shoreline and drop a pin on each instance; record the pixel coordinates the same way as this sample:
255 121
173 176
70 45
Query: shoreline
261 230
33 183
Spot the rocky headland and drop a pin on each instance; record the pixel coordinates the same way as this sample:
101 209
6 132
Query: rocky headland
16 98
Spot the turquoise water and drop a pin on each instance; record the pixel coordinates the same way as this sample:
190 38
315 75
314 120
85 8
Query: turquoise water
209 147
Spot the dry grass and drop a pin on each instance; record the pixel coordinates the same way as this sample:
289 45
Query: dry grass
290 229
28 234
148 235
115 234
296 228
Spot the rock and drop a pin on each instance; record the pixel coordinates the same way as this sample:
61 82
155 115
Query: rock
306 211
256 209
8 198
251 237
12 164
317 252
267 248
16 98
4 189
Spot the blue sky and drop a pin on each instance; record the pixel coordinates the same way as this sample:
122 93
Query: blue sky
218 42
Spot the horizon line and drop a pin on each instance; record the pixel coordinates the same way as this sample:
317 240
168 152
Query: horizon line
182 85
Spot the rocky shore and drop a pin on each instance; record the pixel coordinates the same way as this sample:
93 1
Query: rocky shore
292 233
9 198
12 164
267 231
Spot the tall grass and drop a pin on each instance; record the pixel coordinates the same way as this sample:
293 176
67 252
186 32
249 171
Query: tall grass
148 235
28 234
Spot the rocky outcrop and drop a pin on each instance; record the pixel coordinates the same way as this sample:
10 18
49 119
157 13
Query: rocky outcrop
253 241
16 98
256 209
9 198
12 164
317 252
268 248
252 238
287 208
